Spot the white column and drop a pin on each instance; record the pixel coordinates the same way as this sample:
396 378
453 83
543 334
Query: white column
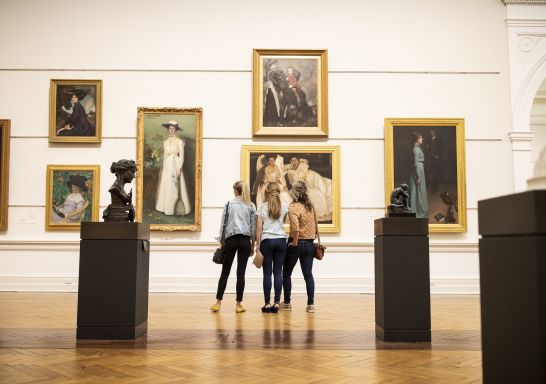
522 157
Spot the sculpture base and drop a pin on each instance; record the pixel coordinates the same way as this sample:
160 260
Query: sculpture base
113 281
513 287
402 279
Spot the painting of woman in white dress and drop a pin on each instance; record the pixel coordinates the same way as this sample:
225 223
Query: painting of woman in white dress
172 196
316 166
169 181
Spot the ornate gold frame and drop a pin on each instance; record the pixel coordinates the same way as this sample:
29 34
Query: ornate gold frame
4 171
198 112
246 150
49 192
458 124
321 130
53 138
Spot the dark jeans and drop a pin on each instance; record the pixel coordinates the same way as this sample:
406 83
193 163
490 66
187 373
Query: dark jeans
274 252
239 244
305 252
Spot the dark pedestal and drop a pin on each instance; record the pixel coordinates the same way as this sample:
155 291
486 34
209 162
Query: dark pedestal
113 281
513 287
402 279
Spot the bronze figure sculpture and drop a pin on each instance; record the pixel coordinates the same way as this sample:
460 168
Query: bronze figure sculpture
121 208
399 206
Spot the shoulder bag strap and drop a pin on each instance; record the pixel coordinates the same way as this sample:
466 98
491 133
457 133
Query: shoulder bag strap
225 223
316 224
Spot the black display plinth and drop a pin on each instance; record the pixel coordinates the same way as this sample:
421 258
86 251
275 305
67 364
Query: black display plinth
113 281
402 279
513 287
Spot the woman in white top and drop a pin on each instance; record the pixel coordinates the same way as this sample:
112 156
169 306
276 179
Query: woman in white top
172 186
271 241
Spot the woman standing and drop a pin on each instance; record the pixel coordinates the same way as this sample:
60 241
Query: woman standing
300 245
172 186
418 184
271 241
239 238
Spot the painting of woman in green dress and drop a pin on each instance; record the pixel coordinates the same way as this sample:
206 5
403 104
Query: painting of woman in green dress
417 180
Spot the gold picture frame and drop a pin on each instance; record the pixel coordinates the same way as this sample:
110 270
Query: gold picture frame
4 172
430 150
319 166
72 196
75 111
290 93
155 204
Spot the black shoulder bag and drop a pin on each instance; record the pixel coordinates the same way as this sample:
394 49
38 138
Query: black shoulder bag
219 256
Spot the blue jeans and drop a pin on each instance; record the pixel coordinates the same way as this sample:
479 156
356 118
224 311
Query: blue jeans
304 252
274 252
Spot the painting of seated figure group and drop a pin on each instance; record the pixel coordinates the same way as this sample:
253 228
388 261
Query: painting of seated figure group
169 168
428 156
290 93
318 167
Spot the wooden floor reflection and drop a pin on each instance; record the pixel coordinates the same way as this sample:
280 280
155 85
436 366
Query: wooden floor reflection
187 342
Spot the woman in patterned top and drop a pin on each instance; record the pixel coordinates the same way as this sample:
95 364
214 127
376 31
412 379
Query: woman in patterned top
300 245
271 241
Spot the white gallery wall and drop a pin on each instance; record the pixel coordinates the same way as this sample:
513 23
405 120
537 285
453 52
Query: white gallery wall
396 58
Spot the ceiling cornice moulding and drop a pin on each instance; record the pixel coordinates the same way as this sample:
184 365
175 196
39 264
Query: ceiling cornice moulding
533 2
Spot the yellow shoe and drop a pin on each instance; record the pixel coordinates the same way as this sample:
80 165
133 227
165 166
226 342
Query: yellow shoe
215 308
239 308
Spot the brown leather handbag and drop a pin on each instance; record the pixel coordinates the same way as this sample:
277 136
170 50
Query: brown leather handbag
319 248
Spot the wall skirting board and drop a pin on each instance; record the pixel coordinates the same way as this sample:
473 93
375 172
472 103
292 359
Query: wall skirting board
253 285
339 252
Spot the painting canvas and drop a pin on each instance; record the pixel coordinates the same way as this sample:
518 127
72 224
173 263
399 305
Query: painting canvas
428 156
169 147
72 195
4 172
75 111
290 93
317 166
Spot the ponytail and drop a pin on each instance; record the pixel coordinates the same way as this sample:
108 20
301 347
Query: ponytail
273 198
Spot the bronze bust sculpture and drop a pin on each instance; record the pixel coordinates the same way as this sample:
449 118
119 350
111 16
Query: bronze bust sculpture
399 206
121 208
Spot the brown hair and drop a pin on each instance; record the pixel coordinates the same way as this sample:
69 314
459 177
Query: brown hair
273 199
299 191
243 190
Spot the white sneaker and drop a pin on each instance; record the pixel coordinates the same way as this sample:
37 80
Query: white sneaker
285 306
310 308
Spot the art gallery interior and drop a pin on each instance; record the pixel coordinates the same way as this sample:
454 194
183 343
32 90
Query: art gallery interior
483 62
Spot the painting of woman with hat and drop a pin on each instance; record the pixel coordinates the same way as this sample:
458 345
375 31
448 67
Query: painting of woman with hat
172 195
72 209
75 111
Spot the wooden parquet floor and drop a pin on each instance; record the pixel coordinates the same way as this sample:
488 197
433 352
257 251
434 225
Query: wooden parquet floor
186 343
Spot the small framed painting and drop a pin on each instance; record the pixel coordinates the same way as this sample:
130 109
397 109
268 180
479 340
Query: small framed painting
72 195
75 111
290 93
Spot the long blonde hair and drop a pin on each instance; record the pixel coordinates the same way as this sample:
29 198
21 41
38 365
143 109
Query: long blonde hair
242 188
273 199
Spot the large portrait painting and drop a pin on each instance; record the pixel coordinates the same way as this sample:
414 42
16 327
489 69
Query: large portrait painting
4 173
75 110
72 195
169 147
290 93
317 166
428 155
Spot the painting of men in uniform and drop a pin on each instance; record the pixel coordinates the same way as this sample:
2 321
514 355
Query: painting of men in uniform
290 93
75 111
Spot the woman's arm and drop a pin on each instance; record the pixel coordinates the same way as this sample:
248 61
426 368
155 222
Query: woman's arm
259 230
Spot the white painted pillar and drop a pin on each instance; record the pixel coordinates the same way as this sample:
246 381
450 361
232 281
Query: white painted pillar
522 158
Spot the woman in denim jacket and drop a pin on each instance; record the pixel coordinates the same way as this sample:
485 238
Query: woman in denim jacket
239 238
